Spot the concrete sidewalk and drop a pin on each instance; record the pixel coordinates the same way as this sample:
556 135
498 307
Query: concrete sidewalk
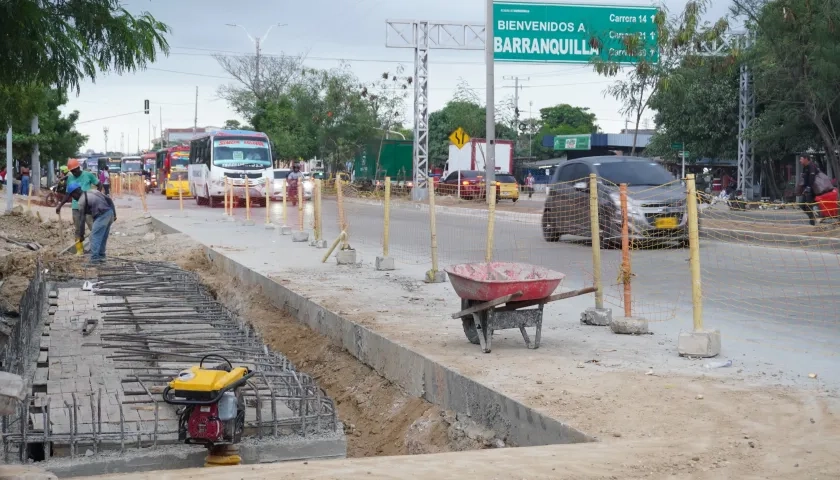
608 386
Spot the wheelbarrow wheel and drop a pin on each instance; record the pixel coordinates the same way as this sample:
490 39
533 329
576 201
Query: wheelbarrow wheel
469 324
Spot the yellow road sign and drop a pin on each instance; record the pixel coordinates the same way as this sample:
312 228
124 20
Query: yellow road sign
459 138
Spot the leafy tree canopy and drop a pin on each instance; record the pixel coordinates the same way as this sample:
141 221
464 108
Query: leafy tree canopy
61 42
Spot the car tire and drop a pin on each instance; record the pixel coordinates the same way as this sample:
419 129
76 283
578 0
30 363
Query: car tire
515 199
550 232
213 203
169 198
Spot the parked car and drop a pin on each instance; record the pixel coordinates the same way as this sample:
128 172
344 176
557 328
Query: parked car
468 183
656 201
507 188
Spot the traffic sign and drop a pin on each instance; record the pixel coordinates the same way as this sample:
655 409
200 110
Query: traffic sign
565 33
459 138
572 142
677 146
684 154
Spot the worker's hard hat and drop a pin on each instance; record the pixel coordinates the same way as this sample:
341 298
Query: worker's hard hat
73 164
72 188
64 169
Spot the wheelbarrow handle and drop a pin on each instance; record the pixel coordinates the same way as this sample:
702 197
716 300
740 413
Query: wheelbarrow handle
486 305
553 298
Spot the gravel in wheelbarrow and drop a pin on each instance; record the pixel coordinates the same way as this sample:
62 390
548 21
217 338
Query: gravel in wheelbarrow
488 281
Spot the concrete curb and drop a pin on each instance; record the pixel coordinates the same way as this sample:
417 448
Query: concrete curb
417 374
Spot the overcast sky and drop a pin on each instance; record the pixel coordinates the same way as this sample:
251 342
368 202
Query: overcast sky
328 31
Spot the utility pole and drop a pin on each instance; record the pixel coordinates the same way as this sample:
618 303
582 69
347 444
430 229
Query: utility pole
128 142
195 121
105 131
516 88
138 140
530 129
151 145
154 135
122 142
490 158
160 112
257 41
10 172
35 173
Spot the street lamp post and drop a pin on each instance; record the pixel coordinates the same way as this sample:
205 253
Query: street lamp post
257 41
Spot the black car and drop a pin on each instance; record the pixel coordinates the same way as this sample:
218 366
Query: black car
655 200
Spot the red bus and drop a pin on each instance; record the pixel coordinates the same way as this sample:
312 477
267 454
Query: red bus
177 158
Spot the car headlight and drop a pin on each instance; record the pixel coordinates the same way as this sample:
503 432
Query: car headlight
632 205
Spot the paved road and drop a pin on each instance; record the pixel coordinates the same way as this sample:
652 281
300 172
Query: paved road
771 301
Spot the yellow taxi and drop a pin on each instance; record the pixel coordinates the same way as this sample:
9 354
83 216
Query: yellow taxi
176 182
507 188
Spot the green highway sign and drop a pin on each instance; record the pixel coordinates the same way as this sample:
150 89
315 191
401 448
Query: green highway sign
572 142
677 146
685 154
567 33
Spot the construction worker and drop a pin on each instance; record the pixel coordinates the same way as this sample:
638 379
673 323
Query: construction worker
101 208
85 180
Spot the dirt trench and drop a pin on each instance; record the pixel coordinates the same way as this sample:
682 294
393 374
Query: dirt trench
379 417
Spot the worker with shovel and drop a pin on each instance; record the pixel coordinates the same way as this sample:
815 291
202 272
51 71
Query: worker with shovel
86 181
104 213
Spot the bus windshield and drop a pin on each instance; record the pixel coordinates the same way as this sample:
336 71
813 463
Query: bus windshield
246 153
114 166
179 159
132 166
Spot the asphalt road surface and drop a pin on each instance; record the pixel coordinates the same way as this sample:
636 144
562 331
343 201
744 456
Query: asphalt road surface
774 298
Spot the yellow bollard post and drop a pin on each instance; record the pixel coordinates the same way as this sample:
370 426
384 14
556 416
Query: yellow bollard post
143 197
247 199
317 203
342 224
491 224
181 195
694 253
29 197
625 252
285 212
595 229
225 190
386 228
433 275
300 204
268 184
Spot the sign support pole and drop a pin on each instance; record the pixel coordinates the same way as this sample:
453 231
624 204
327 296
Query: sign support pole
490 156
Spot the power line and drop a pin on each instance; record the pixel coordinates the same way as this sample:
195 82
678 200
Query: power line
112 116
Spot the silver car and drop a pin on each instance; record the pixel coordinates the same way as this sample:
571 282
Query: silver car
655 200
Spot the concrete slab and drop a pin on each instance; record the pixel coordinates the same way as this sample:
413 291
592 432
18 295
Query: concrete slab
700 343
385 264
300 237
346 257
629 326
596 316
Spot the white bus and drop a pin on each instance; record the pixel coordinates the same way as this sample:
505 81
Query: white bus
232 154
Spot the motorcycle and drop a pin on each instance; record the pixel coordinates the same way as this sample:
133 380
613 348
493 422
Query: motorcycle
56 194
292 191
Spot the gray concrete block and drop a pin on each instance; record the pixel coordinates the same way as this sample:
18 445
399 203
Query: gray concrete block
300 236
248 223
346 257
285 230
702 343
596 316
269 226
433 276
318 243
384 264
629 326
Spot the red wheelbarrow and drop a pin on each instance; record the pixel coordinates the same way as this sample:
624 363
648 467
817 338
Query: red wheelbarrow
501 296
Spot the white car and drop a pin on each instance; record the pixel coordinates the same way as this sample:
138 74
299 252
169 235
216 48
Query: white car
279 184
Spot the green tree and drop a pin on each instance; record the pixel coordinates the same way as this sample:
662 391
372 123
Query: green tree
235 125
61 42
58 139
646 69
561 119
699 108
795 60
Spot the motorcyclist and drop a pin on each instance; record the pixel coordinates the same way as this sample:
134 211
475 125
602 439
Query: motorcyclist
61 185
293 181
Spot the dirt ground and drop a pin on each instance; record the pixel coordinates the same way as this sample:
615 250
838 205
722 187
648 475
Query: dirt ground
379 417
